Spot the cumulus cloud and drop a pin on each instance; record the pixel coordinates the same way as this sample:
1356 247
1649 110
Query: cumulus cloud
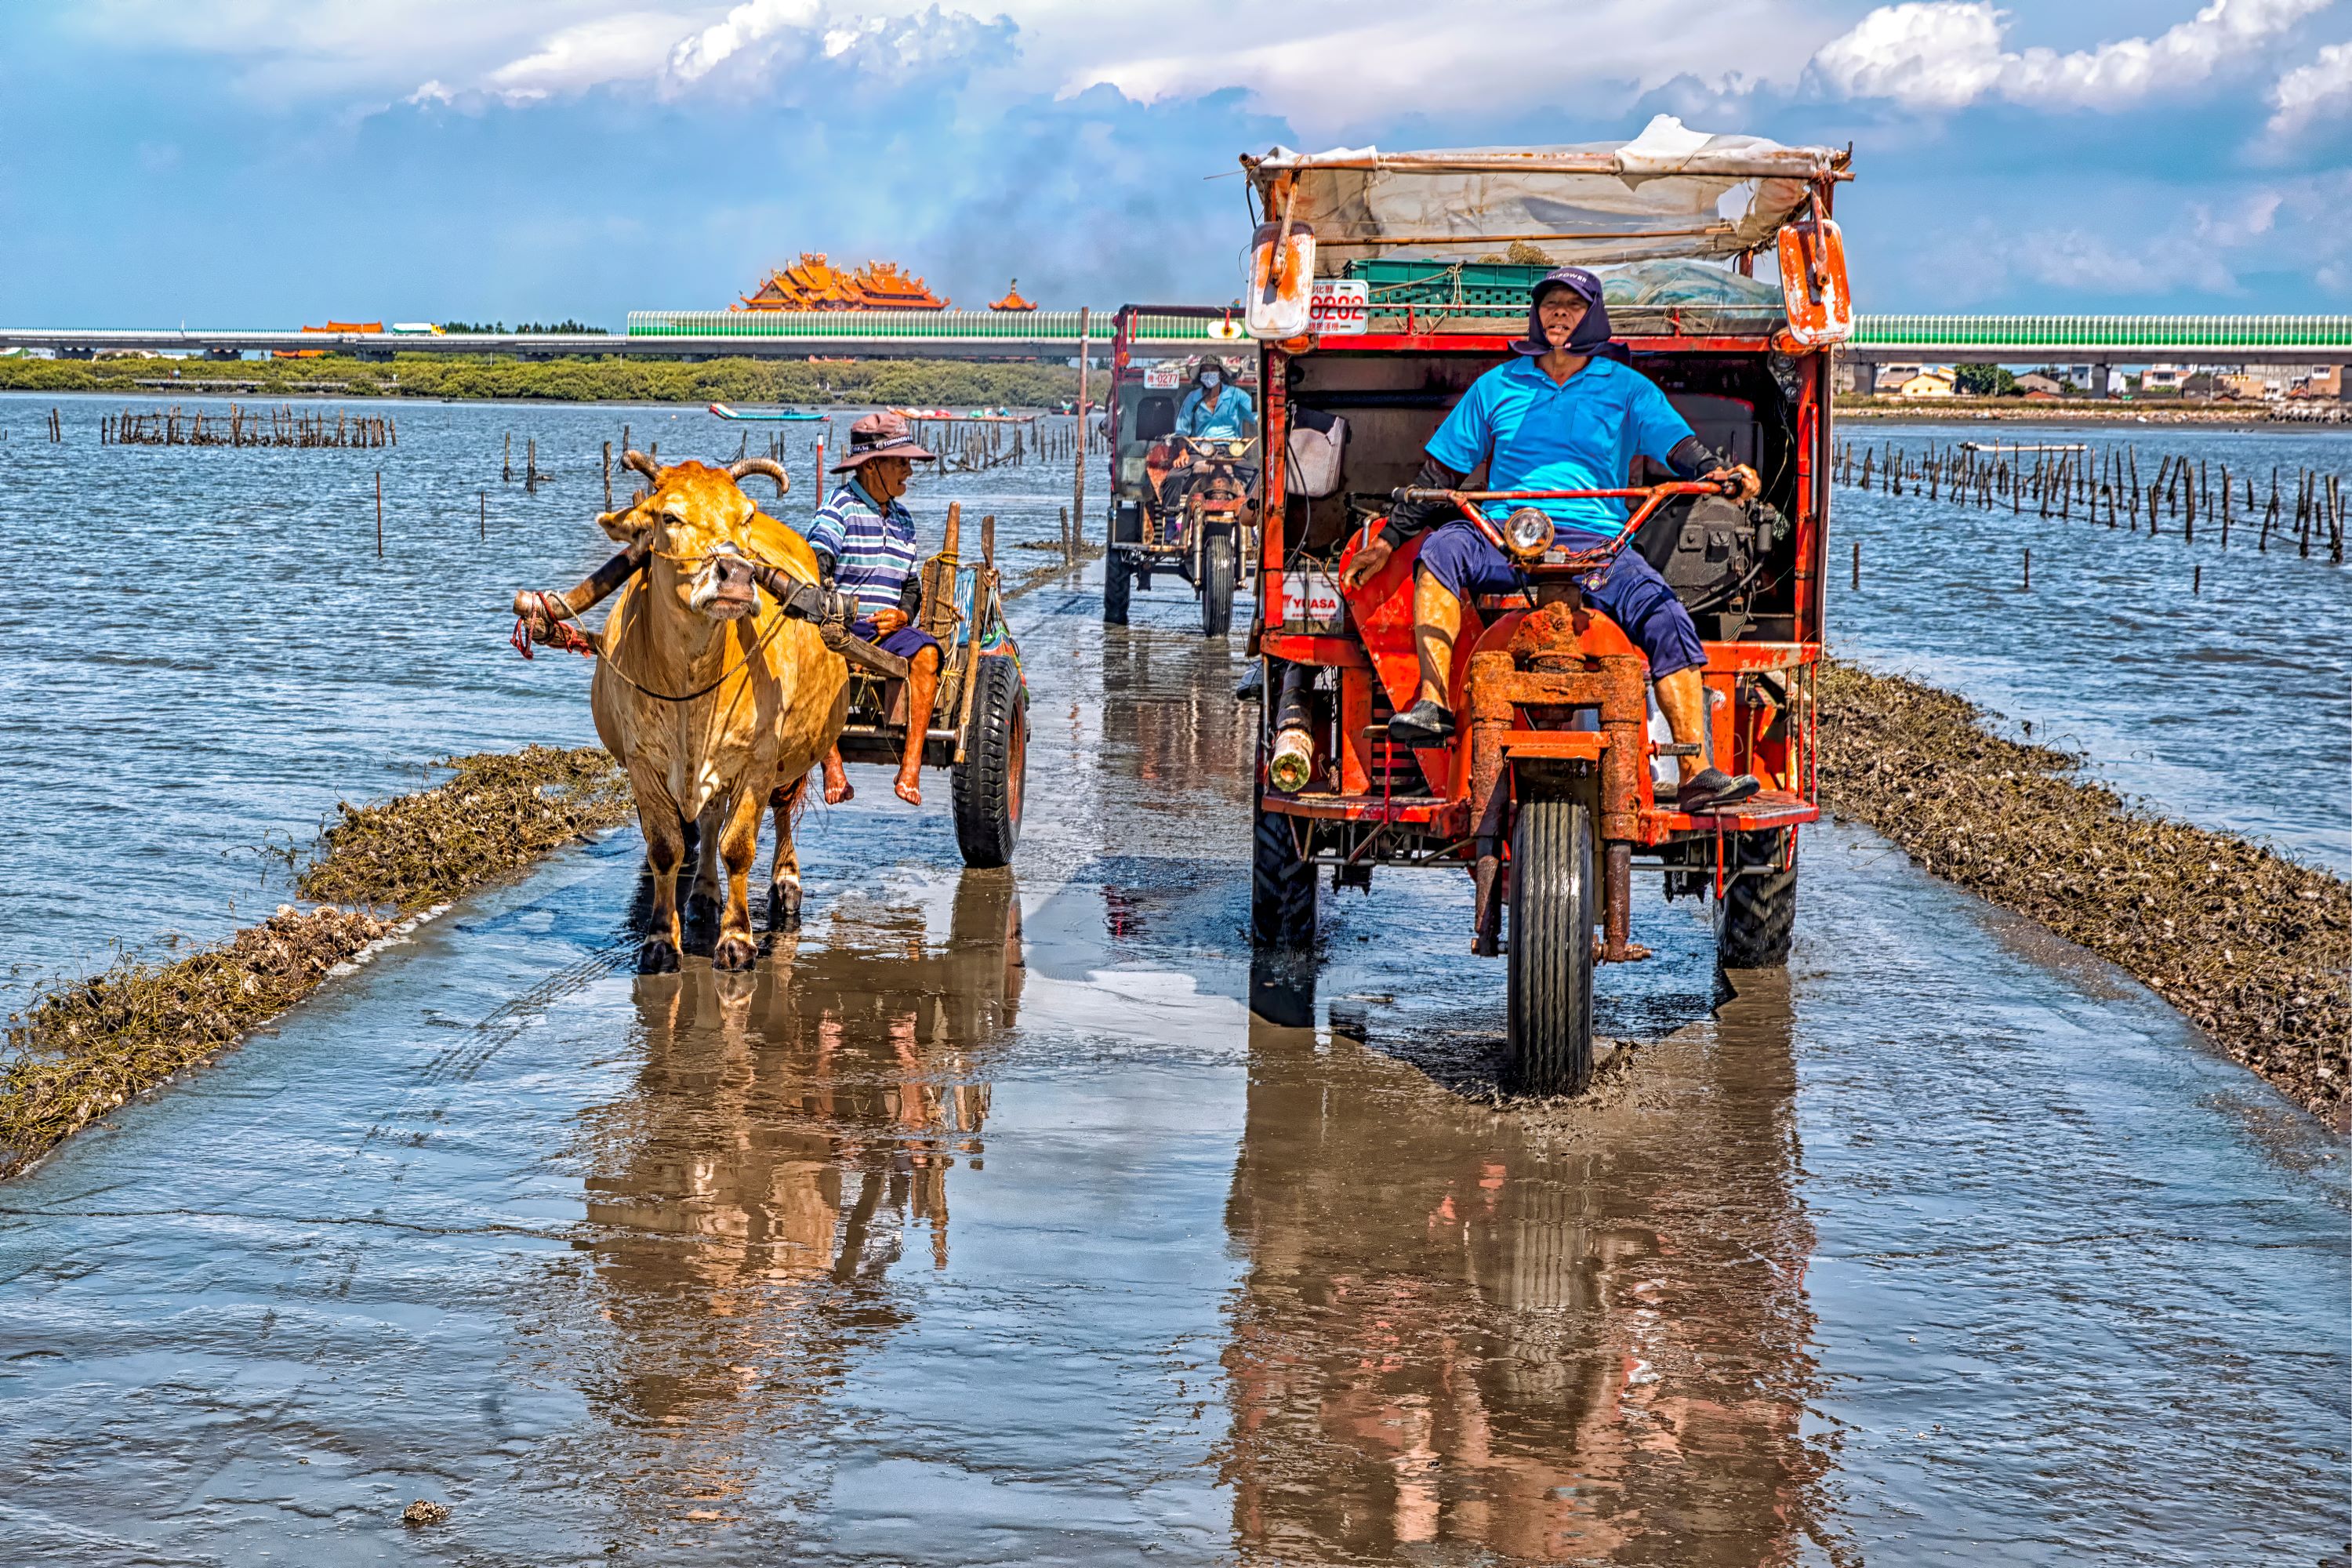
2307 93
1946 54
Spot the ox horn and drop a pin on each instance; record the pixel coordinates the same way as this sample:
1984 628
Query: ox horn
633 458
744 468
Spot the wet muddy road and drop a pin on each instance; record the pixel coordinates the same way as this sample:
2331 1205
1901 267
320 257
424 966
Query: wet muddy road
988 1223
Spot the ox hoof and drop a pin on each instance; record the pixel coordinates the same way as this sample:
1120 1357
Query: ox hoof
701 911
734 953
658 956
784 905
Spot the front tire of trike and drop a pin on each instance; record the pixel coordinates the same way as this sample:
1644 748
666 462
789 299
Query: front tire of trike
1756 915
1282 887
1217 586
1117 585
1552 906
986 788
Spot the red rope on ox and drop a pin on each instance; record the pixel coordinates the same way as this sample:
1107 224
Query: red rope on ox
561 633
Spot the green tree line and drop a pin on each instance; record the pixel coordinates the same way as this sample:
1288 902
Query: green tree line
944 382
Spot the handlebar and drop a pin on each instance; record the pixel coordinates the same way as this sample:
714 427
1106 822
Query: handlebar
1652 497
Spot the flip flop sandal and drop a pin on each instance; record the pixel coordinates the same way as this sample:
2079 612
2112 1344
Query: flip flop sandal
1423 724
1712 789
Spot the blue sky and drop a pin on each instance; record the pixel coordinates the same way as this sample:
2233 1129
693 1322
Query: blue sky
260 162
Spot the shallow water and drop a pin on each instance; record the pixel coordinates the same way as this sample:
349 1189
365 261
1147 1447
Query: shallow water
206 653
987 1223
2230 706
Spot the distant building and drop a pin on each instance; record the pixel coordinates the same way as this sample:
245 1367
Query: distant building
1012 299
2042 393
1891 377
1932 381
2034 381
2165 377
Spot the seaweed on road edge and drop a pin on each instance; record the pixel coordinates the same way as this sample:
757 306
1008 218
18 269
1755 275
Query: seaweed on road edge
498 815
79 1048
2251 946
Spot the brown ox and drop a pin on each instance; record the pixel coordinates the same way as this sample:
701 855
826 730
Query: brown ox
716 702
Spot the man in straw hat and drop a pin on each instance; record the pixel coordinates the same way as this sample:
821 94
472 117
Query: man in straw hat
864 544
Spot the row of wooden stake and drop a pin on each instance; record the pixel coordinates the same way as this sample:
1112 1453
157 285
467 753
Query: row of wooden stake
279 427
2182 492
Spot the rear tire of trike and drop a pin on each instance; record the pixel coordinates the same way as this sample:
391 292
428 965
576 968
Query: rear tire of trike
1552 897
1756 915
986 788
1217 586
1117 583
1282 887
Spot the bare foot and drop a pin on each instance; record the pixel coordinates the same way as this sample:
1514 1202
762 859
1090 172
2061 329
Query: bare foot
835 794
909 790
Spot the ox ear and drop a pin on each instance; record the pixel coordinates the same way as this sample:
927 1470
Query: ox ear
623 527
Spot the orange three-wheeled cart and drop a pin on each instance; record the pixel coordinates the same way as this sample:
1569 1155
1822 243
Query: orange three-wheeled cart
1374 314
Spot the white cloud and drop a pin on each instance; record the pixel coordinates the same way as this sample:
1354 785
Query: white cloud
587 54
2315 92
1945 54
757 21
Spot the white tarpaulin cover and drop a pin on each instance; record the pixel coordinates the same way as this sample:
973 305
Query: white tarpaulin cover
1670 192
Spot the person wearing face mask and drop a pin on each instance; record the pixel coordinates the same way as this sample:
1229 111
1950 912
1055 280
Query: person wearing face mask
1559 416
1215 409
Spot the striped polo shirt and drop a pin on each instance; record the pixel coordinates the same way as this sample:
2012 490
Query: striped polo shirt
872 546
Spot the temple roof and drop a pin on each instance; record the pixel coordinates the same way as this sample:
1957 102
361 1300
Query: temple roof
1012 299
814 283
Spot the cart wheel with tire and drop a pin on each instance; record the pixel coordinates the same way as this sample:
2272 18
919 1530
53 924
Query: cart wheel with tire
978 728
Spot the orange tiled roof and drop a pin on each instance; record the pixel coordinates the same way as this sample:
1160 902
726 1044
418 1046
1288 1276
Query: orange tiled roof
814 283
1012 299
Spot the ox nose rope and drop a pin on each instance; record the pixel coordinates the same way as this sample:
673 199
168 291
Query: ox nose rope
795 600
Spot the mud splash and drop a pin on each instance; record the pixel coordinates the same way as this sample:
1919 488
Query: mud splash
2251 946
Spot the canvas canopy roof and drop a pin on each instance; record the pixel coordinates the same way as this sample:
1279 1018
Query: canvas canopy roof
1670 192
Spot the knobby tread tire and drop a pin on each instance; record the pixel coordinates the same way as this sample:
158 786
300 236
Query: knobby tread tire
986 786
1553 895
1282 888
1217 586
1756 915
1117 583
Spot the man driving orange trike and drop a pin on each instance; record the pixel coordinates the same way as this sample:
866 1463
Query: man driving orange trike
1566 422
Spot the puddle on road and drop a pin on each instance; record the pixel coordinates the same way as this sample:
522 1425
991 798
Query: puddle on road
986 1223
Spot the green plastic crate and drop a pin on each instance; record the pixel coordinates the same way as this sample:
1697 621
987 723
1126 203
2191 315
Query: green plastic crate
1401 283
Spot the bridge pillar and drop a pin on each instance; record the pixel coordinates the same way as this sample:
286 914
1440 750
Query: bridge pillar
2099 374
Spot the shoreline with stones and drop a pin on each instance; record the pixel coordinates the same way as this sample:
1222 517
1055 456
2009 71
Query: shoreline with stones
2248 944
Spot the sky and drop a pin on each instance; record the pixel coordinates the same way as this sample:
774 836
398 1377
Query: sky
251 163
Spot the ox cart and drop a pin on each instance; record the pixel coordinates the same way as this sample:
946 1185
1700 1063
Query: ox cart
1557 781
1181 506
978 728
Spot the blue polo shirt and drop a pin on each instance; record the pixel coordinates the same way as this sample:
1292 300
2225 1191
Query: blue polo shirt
1233 418
1582 436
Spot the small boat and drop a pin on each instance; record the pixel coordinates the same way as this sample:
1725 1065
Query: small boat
724 412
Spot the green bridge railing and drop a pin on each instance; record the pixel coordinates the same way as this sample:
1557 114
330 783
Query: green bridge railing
2026 334
2104 331
959 326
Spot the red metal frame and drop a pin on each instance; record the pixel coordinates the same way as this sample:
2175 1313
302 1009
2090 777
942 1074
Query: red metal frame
1744 710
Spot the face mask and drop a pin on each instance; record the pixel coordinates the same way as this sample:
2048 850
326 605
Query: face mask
1211 379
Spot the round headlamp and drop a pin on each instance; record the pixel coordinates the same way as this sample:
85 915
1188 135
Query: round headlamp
1528 532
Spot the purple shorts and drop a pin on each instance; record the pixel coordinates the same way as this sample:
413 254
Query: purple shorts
905 642
1628 590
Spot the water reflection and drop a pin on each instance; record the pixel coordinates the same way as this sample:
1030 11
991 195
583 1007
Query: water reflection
787 1148
1547 1336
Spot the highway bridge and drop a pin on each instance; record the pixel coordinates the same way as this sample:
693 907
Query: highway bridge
2101 341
